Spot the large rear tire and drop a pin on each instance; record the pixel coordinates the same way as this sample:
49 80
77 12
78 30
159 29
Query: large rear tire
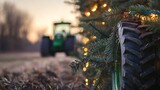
137 58
45 46
69 44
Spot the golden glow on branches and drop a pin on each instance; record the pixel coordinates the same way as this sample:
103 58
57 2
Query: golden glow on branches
151 17
142 18
154 17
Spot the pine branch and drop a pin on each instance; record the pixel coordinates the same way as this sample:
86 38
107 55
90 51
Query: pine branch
96 45
98 30
95 18
153 26
111 48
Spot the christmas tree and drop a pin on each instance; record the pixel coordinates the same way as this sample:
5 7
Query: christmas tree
121 45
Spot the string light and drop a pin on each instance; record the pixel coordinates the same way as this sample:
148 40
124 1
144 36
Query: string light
85 49
87 13
87 64
84 69
154 17
94 8
94 82
143 18
85 54
85 40
94 37
86 84
86 80
104 5
109 9
103 23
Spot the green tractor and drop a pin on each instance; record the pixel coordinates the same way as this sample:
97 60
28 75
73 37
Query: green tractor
63 41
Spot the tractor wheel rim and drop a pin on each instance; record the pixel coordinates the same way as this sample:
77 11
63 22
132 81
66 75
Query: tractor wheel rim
117 76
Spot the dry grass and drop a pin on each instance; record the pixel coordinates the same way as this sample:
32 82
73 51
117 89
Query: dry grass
43 74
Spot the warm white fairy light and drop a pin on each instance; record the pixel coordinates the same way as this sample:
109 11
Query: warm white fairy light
94 82
86 84
103 23
104 5
86 80
85 40
87 64
84 69
154 17
94 8
85 49
85 54
109 9
94 37
87 13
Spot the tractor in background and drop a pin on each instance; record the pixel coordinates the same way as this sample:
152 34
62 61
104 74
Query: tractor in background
63 40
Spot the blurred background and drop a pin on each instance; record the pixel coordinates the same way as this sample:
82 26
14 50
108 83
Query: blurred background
23 22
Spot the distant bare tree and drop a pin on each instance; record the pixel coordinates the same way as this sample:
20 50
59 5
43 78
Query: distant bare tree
15 26
15 20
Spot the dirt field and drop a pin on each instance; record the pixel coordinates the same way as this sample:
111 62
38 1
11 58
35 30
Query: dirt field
20 61
27 63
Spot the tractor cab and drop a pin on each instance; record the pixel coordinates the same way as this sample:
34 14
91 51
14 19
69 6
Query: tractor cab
61 31
62 28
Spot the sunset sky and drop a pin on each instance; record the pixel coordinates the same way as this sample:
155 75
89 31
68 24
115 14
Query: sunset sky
45 12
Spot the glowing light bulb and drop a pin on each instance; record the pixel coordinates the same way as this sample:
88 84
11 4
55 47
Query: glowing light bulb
104 5
94 37
86 84
109 9
142 18
84 69
85 40
94 82
85 49
154 17
85 54
87 64
87 14
94 8
86 80
103 23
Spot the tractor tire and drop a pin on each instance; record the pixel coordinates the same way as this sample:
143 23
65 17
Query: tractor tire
137 57
69 45
45 46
